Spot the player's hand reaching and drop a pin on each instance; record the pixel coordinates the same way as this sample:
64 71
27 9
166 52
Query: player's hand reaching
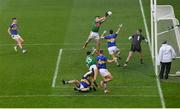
121 25
106 14
104 32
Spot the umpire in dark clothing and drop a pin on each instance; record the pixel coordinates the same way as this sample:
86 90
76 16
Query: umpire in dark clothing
166 55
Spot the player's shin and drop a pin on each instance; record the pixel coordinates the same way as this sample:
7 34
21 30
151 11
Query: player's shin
69 81
105 85
118 55
115 60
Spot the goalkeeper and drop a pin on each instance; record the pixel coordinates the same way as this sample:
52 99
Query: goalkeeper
136 46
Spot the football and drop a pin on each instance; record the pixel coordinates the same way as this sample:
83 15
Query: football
109 13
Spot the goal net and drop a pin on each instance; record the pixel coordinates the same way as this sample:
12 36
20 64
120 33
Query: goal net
164 27
168 28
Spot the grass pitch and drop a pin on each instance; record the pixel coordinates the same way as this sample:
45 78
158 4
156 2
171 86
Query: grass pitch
50 25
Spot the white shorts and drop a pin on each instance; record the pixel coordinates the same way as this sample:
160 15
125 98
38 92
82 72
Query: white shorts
104 72
112 50
92 67
93 35
16 36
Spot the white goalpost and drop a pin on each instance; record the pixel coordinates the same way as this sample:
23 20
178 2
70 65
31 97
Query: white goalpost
164 26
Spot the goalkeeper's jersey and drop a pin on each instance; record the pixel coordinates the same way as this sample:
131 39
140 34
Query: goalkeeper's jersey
96 26
90 60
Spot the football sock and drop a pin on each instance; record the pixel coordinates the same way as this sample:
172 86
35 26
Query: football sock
141 61
116 61
126 62
105 85
70 81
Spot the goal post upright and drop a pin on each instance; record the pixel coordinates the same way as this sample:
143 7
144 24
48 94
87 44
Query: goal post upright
152 28
155 38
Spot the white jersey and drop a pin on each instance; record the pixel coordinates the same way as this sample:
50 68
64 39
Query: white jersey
166 53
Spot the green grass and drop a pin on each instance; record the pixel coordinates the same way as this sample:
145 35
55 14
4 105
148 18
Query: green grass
26 79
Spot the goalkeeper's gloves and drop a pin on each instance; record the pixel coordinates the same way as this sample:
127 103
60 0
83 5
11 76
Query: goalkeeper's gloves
130 37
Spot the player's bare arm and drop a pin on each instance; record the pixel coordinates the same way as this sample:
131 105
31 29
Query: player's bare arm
119 28
9 31
103 34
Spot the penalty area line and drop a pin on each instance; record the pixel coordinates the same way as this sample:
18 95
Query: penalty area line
57 68
73 95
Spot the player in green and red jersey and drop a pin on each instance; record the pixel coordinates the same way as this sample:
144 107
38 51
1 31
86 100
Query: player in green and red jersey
95 29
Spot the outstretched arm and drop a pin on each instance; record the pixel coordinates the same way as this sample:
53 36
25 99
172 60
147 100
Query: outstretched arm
103 34
110 61
93 51
119 28
102 19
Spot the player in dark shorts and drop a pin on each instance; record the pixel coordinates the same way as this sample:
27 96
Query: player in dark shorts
136 46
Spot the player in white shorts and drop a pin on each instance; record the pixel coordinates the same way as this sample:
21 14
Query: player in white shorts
13 31
91 64
95 29
101 63
112 46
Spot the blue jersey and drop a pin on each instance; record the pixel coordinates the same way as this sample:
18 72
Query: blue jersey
101 62
84 84
13 29
111 40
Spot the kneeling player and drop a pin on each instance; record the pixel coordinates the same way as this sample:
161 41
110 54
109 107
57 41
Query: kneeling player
102 60
84 85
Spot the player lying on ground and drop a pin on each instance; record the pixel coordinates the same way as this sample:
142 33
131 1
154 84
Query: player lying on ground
112 46
13 31
91 64
84 85
101 63
136 46
95 29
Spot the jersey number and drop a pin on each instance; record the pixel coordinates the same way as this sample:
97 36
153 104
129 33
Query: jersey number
89 60
138 38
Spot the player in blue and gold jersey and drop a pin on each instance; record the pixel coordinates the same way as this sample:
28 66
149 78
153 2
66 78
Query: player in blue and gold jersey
111 43
13 32
101 64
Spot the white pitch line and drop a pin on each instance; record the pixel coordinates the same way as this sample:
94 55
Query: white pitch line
57 68
114 86
53 44
75 95
145 24
157 79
